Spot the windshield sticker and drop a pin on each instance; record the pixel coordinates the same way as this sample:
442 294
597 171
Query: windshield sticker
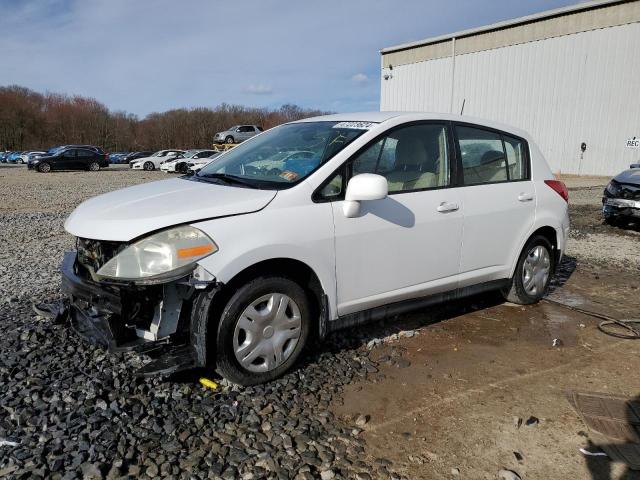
355 125
289 175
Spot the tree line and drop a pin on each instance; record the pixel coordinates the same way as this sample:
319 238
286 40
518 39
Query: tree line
31 121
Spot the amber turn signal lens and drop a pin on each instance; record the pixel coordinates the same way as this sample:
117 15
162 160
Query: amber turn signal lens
194 251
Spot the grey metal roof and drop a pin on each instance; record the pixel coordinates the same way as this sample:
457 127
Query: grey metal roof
536 17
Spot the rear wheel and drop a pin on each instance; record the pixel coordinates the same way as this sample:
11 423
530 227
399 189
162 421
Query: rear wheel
94 166
262 330
149 166
533 272
44 167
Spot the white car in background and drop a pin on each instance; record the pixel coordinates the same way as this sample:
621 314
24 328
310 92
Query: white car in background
180 163
154 161
375 214
26 156
196 164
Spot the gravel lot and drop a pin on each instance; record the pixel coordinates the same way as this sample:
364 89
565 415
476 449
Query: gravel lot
75 412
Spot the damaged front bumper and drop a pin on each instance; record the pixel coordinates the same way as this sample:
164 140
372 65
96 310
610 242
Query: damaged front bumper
154 320
620 207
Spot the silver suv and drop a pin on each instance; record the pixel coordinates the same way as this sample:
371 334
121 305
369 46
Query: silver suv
237 134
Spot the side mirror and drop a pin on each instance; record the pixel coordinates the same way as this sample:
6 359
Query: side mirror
634 165
366 186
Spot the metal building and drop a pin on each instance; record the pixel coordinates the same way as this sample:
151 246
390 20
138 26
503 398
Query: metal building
570 77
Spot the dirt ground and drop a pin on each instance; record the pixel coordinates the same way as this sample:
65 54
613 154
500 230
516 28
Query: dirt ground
443 401
447 400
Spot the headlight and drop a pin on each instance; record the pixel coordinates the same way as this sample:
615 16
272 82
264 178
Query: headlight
164 255
613 188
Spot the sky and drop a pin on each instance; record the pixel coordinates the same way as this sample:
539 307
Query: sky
144 56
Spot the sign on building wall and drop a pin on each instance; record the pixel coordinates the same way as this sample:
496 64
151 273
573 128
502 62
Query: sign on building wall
633 142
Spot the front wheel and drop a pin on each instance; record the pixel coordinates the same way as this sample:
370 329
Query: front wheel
262 330
229 139
149 166
533 272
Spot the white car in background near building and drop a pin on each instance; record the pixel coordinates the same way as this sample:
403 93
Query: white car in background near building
244 260
154 161
180 164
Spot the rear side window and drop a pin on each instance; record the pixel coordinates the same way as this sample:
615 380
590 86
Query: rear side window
516 158
490 157
69 154
85 153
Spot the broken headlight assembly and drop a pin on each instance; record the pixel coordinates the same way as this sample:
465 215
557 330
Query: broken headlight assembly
613 188
160 257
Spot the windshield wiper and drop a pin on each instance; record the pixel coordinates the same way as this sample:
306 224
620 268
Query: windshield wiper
228 178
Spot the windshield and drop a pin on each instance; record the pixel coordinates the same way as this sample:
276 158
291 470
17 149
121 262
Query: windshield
284 155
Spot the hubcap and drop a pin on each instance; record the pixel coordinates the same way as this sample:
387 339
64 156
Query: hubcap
94 167
536 270
267 332
45 167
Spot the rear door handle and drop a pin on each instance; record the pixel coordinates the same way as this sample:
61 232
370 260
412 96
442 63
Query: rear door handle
446 207
525 197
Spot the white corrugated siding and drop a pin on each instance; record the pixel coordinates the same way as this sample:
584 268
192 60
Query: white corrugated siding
583 87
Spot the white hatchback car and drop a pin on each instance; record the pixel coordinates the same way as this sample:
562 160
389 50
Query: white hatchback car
312 226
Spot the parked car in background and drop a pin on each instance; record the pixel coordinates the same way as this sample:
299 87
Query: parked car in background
3 156
195 165
384 216
117 157
154 161
14 157
133 156
180 163
70 158
24 158
621 197
237 134
62 147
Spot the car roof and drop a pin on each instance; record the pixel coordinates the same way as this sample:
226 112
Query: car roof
380 117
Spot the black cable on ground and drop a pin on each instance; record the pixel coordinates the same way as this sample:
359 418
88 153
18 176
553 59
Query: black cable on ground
611 326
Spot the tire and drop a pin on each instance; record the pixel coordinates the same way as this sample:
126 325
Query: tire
94 167
261 296
44 167
612 220
525 292
229 139
21 162
149 166
182 168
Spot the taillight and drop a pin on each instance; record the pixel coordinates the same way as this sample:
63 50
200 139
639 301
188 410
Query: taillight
560 188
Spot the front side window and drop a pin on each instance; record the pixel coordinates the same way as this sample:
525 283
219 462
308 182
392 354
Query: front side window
281 156
410 158
69 154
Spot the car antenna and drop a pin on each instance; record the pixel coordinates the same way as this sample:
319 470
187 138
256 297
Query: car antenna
463 102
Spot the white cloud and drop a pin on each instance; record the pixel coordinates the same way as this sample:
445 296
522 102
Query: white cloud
259 89
360 79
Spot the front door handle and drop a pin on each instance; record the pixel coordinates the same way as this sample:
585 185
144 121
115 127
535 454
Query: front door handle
446 207
525 197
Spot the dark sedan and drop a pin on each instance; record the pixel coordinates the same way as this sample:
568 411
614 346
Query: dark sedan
621 200
71 158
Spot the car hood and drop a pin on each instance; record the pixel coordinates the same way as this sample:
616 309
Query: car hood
631 176
126 214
